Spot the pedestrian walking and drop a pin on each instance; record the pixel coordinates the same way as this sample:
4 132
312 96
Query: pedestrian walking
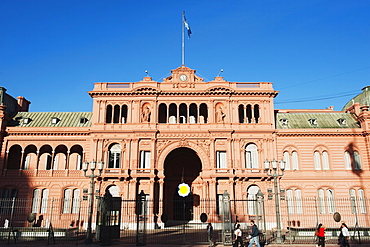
210 235
320 233
345 236
254 235
238 236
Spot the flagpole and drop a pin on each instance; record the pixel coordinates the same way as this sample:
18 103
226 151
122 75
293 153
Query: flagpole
183 40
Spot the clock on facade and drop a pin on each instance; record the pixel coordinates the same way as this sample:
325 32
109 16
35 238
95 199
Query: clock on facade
183 77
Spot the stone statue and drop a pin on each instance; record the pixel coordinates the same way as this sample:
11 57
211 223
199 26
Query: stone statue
145 117
220 115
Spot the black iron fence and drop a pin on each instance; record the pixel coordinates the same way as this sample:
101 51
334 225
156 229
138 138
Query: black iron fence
179 221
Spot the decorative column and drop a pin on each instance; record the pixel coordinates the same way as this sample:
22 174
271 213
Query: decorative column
21 165
67 160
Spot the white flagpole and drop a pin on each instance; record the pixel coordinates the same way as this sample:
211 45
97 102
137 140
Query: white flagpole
183 40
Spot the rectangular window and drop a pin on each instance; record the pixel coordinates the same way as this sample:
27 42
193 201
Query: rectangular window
248 159
221 159
114 159
144 159
219 204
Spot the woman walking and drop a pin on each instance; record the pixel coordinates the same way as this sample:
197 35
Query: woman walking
320 233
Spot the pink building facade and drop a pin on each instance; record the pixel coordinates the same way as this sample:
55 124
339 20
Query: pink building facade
215 136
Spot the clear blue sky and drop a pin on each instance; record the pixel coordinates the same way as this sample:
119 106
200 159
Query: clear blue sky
52 51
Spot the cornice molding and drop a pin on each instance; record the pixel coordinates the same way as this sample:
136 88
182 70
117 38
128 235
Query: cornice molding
173 93
47 134
317 134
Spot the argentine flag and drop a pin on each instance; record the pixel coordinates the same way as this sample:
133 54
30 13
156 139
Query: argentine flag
186 24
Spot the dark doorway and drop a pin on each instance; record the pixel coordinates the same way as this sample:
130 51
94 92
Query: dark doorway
182 165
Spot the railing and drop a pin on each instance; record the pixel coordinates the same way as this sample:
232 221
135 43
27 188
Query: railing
178 221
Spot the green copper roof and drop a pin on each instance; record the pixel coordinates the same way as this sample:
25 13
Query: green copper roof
44 119
363 98
336 120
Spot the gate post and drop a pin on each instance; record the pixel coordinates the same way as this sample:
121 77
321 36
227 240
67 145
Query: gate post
227 237
104 219
141 214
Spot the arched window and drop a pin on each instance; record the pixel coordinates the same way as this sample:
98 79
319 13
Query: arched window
193 113
173 113
44 201
114 190
252 197
241 113
326 201
361 201
251 156
298 198
249 114
347 160
286 158
317 160
352 162
256 112
75 161
325 160
67 201
116 114
36 201
357 161
108 115
162 113
295 165
114 156
321 199
294 201
203 113
290 202
14 157
183 113
124 114
358 202
76 201
291 160
330 200
71 201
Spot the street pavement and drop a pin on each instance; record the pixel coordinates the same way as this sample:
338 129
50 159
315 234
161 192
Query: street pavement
4 244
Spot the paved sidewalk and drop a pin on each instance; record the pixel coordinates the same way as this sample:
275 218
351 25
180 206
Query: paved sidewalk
2 244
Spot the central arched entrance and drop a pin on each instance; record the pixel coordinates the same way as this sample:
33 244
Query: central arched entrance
181 165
